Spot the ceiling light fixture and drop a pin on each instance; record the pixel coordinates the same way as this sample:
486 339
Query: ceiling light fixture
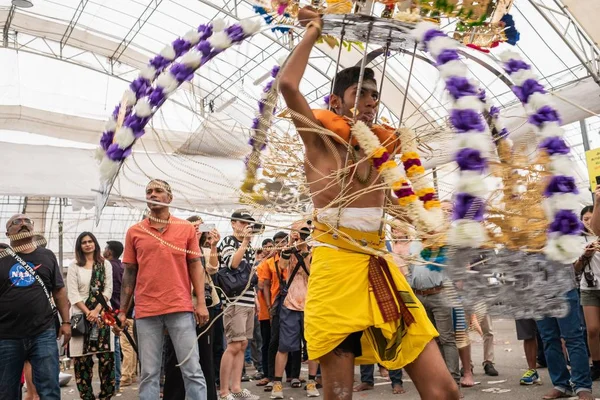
22 3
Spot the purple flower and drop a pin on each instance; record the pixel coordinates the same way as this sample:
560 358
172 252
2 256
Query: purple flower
554 145
141 87
255 123
529 87
561 184
470 160
117 154
261 106
181 46
460 87
106 140
251 141
235 32
467 206
205 31
378 162
182 72
204 47
567 223
268 86
447 55
513 66
494 111
327 99
481 95
159 63
543 115
115 113
156 97
430 34
275 71
467 120
503 132
136 124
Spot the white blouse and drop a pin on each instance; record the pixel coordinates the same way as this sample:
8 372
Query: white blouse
78 284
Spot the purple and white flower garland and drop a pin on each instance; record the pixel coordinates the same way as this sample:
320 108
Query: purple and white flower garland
175 64
565 243
260 126
473 142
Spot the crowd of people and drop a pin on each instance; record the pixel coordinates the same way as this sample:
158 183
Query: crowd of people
224 307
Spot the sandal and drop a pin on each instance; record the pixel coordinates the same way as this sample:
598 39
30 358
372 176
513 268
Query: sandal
296 383
268 387
263 382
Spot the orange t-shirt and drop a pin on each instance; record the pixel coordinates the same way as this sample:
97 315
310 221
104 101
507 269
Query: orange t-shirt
266 271
163 281
262 271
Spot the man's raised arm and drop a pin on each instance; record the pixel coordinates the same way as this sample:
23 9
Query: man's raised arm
292 73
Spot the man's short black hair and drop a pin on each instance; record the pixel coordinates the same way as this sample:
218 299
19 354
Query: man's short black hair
348 77
115 247
280 235
266 242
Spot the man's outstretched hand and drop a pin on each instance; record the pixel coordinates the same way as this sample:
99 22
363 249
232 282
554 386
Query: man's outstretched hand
308 14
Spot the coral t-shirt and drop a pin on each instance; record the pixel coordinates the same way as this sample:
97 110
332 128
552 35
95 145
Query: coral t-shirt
268 272
163 281
263 273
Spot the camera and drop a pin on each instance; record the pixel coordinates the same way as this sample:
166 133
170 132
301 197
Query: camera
590 279
258 228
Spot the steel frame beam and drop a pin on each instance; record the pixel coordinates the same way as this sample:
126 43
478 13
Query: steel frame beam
586 51
74 19
7 24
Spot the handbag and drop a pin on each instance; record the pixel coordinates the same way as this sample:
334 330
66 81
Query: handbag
80 326
234 282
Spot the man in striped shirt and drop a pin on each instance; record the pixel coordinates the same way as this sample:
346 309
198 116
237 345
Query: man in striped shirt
235 251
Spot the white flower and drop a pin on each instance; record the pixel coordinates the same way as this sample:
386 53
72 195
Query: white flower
508 55
453 68
473 183
99 154
220 40
565 249
392 175
539 100
474 140
111 125
149 72
218 25
548 130
143 108
469 102
407 139
521 76
365 137
466 233
561 165
250 26
423 27
519 190
192 59
167 82
421 182
129 97
441 43
192 36
168 52
108 169
124 137
560 201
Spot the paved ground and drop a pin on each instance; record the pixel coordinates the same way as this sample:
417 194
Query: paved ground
510 362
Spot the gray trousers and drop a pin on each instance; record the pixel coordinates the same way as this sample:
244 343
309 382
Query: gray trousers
440 314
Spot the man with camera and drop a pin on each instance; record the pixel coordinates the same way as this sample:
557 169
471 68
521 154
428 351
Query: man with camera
236 278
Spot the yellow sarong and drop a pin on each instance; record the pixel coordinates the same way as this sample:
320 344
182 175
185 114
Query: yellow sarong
341 301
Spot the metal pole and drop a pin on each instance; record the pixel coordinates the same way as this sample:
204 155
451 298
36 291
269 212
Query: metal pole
60 232
584 135
412 63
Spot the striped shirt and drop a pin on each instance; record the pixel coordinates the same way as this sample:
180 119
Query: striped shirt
227 248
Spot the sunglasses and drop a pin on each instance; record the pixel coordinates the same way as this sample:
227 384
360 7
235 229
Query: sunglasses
21 221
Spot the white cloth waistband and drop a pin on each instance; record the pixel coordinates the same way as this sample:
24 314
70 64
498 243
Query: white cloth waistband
366 219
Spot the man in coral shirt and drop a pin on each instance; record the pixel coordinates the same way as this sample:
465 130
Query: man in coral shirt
162 260
264 318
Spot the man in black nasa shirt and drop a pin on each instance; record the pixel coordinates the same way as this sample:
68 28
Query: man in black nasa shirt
27 321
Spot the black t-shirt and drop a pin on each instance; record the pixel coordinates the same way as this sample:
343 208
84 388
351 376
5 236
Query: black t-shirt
24 307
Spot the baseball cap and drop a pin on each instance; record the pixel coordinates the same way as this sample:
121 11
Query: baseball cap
242 215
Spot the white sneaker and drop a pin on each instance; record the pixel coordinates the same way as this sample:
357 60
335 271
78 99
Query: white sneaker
277 392
311 389
245 394
228 397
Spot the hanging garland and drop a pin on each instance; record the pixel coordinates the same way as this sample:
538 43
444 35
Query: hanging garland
565 243
158 81
472 140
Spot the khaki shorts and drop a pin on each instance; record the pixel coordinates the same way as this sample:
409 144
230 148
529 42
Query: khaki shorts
239 323
590 298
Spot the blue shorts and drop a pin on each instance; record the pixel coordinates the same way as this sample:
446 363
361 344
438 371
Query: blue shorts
291 330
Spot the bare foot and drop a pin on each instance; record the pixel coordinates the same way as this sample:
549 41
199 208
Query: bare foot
362 387
585 396
555 394
398 389
467 380
383 372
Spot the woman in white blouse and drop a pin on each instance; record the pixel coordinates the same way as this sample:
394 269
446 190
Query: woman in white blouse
89 272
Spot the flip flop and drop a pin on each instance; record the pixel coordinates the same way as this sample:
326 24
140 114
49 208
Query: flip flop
296 383
263 382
